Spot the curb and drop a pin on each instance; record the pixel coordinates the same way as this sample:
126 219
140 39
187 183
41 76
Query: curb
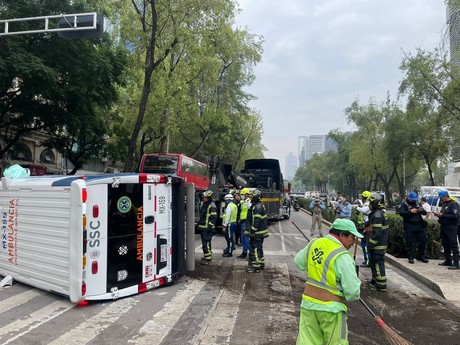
424 280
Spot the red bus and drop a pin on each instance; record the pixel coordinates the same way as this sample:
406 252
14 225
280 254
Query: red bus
191 170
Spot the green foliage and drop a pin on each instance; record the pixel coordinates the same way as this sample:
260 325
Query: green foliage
63 87
195 101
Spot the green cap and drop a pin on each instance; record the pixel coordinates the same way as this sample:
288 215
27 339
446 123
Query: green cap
346 225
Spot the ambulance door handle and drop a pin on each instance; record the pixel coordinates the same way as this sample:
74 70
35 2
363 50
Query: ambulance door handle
149 219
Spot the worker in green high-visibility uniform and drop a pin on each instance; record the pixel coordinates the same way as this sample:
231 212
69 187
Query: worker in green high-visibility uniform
331 280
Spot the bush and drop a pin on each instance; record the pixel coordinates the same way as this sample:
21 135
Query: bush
396 245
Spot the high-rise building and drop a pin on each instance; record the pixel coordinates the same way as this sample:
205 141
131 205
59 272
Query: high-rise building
301 150
312 144
453 25
291 166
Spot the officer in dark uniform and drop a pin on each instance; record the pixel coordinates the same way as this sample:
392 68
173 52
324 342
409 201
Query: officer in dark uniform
257 230
414 226
206 225
448 218
377 231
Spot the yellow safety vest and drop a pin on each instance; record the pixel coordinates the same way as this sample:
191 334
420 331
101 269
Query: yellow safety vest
321 255
234 212
244 209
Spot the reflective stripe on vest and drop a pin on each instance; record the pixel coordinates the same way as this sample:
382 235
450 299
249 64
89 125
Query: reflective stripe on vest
319 274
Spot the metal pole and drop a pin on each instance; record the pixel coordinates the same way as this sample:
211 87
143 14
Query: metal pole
190 227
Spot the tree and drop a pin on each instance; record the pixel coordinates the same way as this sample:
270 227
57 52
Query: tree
195 99
55 85
430 110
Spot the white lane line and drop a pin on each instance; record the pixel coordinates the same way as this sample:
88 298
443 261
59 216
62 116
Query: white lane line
283 244
154 331
35 320
218 326
19 299
278 253
88 330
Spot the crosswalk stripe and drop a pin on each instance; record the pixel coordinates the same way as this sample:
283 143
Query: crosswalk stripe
89 329
219 323
19 299
35 319
154 331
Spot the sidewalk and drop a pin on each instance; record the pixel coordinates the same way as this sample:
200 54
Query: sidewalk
446 283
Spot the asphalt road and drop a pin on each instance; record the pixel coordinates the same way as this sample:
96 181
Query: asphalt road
222 304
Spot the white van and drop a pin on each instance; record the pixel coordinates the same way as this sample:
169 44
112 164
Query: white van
93 237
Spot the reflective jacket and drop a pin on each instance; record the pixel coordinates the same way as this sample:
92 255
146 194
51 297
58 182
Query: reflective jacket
258 221
377 241
208 216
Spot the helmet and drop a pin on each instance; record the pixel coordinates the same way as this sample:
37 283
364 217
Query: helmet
232 191
208 194
228 197
256 194
366 194
376 201
245 191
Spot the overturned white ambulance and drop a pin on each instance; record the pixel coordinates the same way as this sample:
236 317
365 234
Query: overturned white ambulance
93 237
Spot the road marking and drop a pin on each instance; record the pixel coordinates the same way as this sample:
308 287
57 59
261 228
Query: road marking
154 331
283 244
35 320
19 299
88 330
278 253
218 326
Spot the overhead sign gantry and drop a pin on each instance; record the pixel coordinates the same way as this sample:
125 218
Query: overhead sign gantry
67 26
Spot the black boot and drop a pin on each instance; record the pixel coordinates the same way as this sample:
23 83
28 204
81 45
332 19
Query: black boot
445 263
455 266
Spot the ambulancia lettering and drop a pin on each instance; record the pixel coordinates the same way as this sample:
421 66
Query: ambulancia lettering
11 230
140 230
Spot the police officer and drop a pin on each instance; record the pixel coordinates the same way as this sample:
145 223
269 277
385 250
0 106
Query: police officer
414 226
448 218
377 232
206 225
257 231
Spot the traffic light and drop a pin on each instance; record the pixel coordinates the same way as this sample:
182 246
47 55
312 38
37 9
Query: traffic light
76 23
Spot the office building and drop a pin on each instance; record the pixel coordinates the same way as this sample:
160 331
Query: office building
309 145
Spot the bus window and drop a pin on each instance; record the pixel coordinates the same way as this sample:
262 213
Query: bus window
159 164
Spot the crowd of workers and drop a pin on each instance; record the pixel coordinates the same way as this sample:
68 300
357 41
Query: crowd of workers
244 221
326 260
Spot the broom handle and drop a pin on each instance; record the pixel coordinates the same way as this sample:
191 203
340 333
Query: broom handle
356 248
368 308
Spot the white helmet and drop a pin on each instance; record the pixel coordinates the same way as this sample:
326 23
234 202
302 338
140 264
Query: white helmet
228 197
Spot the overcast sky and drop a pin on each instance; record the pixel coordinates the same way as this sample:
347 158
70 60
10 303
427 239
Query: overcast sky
320 55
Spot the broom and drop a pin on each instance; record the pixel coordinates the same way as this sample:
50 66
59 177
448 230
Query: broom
392 337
